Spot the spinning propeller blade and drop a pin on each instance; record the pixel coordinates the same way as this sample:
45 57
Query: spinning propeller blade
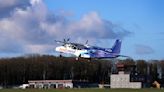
65 41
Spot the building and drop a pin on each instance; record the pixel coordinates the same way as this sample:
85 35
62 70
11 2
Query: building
24 86
50 84
122 80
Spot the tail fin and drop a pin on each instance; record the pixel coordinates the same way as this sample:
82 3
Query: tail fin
116 47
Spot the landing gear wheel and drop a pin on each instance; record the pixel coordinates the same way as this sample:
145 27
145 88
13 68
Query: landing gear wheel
77 58
60 55
89 60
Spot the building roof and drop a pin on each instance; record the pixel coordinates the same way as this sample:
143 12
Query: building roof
50 81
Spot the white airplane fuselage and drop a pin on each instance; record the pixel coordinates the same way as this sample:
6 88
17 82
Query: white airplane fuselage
69 50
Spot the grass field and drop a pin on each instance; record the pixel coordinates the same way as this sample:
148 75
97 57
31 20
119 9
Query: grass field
82 90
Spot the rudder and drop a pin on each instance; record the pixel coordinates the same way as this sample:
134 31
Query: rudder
116 47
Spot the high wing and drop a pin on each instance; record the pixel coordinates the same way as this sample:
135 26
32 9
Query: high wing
79 46
74 45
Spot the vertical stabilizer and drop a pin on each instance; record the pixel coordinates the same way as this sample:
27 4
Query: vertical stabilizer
116 47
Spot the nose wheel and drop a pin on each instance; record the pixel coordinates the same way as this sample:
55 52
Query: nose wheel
60 55
77 58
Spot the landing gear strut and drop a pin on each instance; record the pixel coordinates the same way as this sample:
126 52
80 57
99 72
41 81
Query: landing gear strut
77 58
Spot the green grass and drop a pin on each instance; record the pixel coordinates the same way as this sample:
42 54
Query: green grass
82 90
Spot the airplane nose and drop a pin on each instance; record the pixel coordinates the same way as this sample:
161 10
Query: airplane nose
57 48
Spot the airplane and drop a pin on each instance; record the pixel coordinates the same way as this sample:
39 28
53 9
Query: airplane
88 52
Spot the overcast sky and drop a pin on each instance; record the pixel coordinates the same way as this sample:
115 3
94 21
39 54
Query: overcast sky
31 26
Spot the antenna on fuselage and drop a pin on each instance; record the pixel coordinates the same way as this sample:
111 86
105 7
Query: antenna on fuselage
86 42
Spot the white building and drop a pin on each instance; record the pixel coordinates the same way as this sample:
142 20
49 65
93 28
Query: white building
51 84
122 80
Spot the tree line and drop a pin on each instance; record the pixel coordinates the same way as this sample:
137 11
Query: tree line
18 70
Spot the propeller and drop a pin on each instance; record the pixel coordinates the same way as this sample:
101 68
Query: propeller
58 41
65 41
86 44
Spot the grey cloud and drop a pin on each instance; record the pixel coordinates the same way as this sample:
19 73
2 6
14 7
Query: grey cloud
89 26
8 6
28 28
143 49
